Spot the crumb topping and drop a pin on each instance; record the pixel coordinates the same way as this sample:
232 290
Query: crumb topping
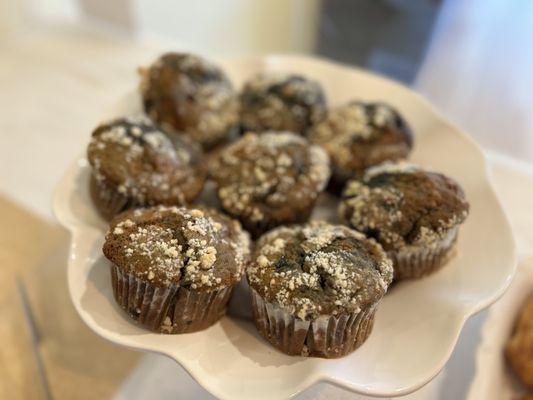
319 268
187 94
358 135
281 102
142 162
264 172
175 245
402 205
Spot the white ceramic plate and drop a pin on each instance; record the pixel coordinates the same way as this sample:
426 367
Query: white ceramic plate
417 323
494 380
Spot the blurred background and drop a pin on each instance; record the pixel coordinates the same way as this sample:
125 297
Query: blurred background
471 58
64 62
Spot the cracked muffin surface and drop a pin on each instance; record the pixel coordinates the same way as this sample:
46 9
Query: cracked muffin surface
197 248
319 269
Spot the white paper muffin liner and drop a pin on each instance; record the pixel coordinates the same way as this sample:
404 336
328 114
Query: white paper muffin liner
417 261
171 309
325 336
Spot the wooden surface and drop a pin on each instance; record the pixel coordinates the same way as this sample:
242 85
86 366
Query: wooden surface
76 363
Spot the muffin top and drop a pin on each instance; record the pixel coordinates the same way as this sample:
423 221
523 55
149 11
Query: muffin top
187 94
319 269
403 205
359 135
140 161
260 173
201 249
281 102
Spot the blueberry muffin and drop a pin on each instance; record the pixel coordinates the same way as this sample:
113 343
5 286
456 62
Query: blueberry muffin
315 288
270 179
186 94
519 348
413 213
173 269
360 135
134 164
281 102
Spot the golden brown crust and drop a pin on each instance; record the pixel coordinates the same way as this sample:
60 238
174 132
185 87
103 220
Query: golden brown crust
319 269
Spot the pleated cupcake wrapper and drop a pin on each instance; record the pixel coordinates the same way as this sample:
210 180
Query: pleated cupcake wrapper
326 336
109 201
170 309
417 262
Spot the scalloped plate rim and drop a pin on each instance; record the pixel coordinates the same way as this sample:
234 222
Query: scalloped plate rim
75 227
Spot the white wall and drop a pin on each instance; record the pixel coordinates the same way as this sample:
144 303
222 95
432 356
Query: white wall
52 10
232 26
214 27
16 15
